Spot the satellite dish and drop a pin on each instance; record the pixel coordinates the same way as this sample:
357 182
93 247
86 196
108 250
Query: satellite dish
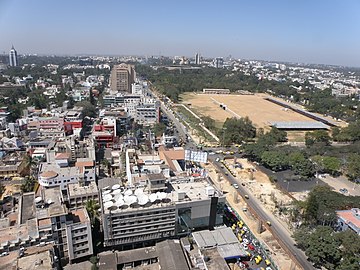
106 192
153 197
133 199
116 191
161 195
107 205
119 203
128 192
127 199
143 199
49 201
118 197
138 191
116 186
107 198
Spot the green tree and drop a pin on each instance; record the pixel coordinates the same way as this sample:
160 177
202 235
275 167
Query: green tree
31 165
317 137
237 130
323 248
353 166
88 109
28 185
209 122
301 164
274 160
326 164
92 207
159 129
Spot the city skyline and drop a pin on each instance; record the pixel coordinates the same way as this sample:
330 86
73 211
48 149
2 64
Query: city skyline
306 32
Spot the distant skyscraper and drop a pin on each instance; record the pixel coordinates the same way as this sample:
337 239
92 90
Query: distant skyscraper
122 76
218 62
197 59
13 57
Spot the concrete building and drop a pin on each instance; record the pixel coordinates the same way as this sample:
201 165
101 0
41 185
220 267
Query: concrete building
59 172
72 146
78 194
70 231
13 58
218 62
197 59
121 78
148 112
159 211
167 254
349 219
44 223
216 91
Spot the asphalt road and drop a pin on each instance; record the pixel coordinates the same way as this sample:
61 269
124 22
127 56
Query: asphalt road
279 232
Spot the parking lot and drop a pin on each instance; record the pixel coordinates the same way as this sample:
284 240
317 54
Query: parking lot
257 255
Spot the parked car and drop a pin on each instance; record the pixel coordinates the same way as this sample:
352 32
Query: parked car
258 259
236 186
343 190
5 253
251 247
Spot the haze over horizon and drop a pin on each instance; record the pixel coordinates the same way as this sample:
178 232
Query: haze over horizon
316 32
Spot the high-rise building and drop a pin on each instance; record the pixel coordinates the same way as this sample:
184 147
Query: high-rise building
122 76
13 57
197 59
218 62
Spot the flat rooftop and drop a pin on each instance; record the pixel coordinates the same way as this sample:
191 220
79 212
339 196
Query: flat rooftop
80 216
178 191
223 239
37 261
27 207
52 203
350 216
299 125
51 167
76 190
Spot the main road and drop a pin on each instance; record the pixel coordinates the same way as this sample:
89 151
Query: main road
276 228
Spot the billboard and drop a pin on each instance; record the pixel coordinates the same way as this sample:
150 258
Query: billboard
196 156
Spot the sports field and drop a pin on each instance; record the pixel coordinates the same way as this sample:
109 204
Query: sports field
259 110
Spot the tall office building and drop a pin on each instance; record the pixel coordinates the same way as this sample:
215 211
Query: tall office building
122 76
197 59
13 57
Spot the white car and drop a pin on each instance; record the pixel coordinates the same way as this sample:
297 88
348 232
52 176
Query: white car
245 241
268 268
236 186
245 246
5 253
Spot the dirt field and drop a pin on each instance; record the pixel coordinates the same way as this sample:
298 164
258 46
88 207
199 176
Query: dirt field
259 110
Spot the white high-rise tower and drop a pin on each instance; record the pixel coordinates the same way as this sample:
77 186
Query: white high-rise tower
13 57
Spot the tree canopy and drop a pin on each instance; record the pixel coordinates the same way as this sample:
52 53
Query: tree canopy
237 130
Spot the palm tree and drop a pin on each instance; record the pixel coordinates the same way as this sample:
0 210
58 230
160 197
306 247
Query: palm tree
31 164
107 165
92 207
28 185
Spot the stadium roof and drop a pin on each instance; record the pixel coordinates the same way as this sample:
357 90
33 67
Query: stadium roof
299 125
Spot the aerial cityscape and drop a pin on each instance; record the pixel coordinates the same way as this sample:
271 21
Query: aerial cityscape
179 136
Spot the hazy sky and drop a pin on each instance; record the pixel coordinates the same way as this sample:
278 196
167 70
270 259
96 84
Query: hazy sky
308 31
